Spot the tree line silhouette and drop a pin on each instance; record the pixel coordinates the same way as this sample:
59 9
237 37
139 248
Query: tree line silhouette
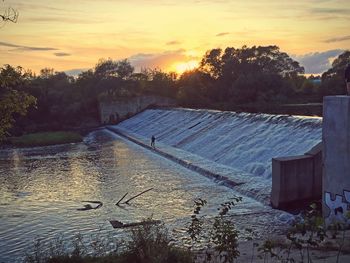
248 78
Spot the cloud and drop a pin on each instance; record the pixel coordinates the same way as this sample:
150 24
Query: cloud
5 44
222 34
324 10
324 13
26 48
174 42
62 54
162 60
75 72
24 6
337 39
62 19
318 62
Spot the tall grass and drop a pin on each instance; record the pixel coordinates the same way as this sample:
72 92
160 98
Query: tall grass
147 244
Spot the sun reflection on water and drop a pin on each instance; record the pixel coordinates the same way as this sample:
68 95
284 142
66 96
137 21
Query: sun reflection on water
41 189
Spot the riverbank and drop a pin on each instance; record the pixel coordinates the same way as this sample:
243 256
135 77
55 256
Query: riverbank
150 243
45 139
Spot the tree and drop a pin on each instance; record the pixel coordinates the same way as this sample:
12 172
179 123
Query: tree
230 67
124 69
195 88
106 68
13 98
161 83
211 63
266 59
338 66
333 81
114 77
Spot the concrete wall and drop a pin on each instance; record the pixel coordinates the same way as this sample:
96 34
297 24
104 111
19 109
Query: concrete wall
112 112
297 179
336 158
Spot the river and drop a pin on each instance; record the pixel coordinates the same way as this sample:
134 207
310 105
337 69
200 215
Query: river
41 189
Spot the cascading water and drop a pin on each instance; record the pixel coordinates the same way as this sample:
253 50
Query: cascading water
242 141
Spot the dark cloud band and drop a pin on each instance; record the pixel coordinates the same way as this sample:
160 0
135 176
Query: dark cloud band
62 54
222 34
337 39
26 48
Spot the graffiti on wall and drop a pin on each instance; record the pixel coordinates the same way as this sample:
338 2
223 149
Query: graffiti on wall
339 207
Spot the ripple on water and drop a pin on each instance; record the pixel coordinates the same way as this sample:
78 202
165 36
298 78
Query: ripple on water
41 188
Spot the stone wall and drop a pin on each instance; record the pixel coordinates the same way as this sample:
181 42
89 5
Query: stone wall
297 179
336 158
114 111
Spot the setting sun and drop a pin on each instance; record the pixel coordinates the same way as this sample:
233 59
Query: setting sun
181 67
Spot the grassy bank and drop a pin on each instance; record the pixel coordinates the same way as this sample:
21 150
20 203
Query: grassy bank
45 138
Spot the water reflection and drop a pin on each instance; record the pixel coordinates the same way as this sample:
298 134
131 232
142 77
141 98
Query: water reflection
41 189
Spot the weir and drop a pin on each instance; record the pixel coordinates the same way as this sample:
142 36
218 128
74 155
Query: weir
241 142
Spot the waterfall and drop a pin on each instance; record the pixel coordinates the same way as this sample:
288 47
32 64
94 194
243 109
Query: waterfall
244 141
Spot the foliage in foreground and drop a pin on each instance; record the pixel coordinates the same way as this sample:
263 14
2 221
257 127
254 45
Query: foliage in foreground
45 138
148 244
152 244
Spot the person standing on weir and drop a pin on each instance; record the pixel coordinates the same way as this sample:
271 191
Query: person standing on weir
153 141
347 79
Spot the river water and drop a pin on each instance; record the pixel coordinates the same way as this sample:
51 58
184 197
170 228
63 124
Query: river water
41 189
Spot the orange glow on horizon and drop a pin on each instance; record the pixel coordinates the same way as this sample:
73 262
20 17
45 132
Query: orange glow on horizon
181 67
59 35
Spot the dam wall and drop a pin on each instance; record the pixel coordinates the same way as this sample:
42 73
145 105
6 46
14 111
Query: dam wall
297 179
241 142
116 110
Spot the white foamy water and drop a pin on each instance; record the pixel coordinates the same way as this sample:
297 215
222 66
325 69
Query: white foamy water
241 141
41 188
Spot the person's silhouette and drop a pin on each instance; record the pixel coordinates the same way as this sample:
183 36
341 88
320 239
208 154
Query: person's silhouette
153 141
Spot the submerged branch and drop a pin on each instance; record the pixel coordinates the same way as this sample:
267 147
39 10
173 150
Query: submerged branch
121 199
127 201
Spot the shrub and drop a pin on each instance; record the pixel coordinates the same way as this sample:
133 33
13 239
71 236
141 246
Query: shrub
152 244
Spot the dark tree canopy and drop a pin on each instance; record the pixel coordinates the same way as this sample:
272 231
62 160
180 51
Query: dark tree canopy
333 80
109 68
338 66
246 60
249 74
14 100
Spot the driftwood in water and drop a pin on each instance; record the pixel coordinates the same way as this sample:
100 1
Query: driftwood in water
121 199
127 201
118 224
89 207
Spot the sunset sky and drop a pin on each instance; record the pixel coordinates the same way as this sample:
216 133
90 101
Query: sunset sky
173 35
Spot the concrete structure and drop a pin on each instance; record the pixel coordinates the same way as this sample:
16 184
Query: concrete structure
336 158
114 111
297 179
